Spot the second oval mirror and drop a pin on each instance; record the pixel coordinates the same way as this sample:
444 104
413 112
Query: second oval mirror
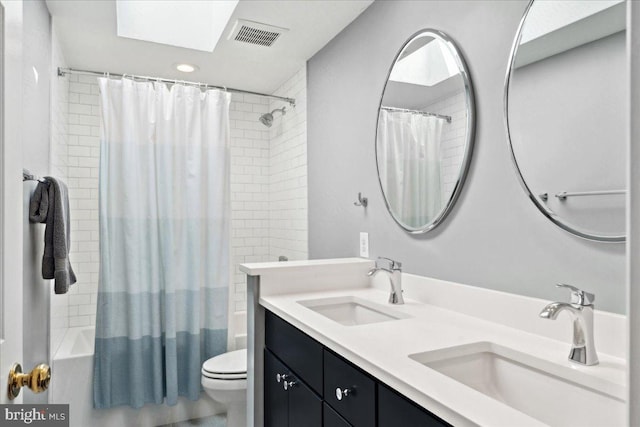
425 131
566 114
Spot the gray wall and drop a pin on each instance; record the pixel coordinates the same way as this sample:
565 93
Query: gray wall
494 237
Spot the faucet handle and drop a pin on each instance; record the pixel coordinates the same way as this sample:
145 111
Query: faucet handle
393 265
578 296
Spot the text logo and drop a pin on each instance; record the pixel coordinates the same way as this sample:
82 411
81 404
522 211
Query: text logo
34 415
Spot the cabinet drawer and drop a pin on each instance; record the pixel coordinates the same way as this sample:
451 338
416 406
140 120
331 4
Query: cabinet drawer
301 353
396 410
332 419
358 403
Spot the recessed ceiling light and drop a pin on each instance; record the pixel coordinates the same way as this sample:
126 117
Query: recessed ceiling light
186 68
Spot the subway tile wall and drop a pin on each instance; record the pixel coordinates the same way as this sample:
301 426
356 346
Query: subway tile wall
272 223
76 159
288 173
261 234
58 159
81 159
249 189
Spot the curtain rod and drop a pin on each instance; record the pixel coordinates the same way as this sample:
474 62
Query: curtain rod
424 113
63 71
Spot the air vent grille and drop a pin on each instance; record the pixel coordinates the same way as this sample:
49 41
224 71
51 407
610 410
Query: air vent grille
255 33
256 36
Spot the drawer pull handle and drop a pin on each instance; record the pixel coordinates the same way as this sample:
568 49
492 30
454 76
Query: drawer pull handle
342 393
289 384
281 377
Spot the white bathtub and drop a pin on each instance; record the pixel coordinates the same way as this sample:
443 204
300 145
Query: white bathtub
72 383
77 342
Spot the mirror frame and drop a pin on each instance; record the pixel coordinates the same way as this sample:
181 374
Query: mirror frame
555 218
470 130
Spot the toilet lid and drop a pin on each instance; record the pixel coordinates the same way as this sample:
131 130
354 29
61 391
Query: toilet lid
231 365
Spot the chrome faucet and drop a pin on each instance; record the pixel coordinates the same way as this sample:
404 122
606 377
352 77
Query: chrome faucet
583 350
395 278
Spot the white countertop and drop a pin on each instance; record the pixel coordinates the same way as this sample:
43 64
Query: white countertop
383 349
258 268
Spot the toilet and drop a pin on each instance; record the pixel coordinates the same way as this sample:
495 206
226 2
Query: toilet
224 379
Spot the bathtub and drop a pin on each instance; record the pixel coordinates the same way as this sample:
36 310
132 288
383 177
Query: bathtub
71 382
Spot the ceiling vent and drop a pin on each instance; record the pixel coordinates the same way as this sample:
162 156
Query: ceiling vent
255 33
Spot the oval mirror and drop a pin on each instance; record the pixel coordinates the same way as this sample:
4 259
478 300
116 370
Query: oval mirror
425 131
565 104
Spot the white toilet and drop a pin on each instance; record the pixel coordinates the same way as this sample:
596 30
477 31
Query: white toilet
224 379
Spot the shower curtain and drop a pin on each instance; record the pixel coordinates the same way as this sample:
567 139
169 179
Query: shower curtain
409 150
164 240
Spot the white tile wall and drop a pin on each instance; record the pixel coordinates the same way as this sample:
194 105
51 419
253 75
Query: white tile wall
58 159
258 169
83 156
249 189
279 212
288 173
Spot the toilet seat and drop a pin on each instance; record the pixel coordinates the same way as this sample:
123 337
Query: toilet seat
227 366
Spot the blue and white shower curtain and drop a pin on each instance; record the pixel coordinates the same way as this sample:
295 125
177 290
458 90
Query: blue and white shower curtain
164 240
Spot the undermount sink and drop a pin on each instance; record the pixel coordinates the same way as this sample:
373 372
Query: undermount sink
351 311
554 394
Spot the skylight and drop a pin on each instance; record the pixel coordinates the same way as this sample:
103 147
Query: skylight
548 17
426 66
183 23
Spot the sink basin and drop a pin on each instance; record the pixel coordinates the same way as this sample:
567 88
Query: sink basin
351 311
554 394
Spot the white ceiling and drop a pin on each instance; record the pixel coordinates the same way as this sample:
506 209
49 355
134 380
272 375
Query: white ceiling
87 32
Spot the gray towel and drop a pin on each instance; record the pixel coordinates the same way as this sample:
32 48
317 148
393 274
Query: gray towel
50 205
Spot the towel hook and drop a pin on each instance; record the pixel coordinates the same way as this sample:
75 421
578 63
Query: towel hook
362 201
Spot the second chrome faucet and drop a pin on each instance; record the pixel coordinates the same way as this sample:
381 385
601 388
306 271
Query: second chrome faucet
583 350
394 271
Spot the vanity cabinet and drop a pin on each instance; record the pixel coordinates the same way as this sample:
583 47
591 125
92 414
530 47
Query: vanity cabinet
308 385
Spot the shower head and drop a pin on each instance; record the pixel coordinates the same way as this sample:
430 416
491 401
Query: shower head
267 118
